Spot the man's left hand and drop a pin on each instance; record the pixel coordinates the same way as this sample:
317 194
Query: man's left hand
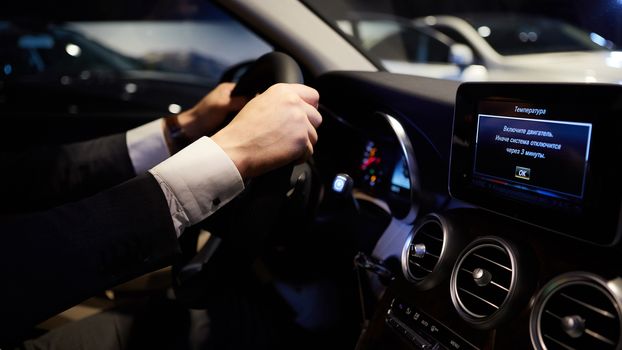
208 115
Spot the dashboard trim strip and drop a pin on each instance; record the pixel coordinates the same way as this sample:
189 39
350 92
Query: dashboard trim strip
411 161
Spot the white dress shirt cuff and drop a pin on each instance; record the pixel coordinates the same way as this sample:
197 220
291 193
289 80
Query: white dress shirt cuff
201 178
146 146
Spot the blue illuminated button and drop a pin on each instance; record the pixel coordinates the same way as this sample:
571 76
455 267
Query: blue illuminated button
342 185
339 183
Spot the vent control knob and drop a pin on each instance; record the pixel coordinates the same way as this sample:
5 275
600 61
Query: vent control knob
481 277
574 326
419 250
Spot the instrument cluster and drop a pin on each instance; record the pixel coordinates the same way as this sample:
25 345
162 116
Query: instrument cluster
386 167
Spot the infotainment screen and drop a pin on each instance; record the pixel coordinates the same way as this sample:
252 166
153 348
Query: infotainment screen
531 156
541 153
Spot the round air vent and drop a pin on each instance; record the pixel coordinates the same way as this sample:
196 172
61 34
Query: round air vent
484 282
577 310
426 252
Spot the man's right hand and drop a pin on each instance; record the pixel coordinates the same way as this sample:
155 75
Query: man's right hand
273 129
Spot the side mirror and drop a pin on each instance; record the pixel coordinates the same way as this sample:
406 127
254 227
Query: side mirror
461 55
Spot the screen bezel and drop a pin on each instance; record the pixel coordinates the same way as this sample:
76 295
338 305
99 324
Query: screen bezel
598 218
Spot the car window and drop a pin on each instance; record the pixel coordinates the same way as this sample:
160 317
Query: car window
202 47
28 51
199 47
159 62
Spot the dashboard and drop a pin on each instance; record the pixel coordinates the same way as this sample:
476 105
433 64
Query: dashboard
504 204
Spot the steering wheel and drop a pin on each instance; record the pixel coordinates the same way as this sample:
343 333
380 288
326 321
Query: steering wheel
239 229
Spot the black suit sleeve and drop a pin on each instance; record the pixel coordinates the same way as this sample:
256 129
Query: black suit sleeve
54 259
49 176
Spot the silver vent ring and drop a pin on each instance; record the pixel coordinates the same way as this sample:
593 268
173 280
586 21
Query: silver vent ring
430 251
571 325
491 281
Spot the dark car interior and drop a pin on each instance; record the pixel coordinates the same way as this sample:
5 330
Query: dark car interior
433 215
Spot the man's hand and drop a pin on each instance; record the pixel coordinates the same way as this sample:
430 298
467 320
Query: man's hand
274 129
209 113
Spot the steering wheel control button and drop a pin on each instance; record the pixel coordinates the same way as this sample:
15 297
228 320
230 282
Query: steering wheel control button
339 184
481 277
342 184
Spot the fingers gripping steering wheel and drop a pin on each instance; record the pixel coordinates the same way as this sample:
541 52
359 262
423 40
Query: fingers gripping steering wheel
267 70
239 229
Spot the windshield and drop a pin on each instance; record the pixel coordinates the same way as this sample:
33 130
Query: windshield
521 34
523 40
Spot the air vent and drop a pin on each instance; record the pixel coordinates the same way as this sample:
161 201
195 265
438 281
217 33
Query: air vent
576 310
424 248
483 279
